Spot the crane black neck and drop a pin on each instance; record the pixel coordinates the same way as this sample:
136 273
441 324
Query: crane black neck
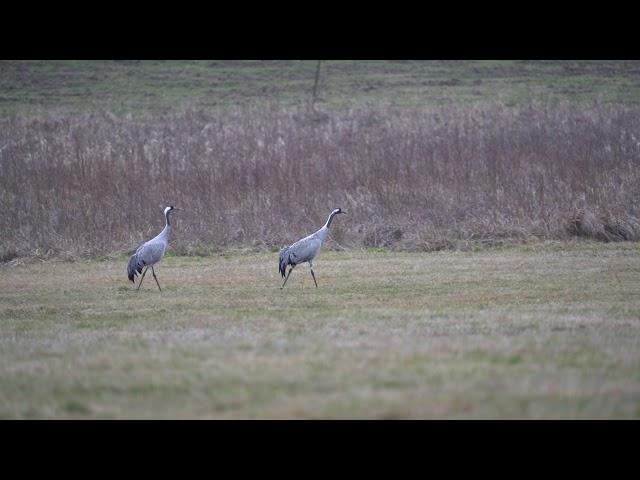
166 216
333 214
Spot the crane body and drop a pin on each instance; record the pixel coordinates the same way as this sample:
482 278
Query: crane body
305 249
150 252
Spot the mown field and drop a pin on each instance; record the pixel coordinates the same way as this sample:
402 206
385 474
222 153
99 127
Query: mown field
157 86
547 330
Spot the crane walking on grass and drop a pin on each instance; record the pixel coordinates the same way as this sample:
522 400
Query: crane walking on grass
305 250
151 252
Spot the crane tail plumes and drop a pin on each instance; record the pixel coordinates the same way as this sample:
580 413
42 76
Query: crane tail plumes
132 267
284 261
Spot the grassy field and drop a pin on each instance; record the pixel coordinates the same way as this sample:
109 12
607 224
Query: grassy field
548 330
470 164
156 86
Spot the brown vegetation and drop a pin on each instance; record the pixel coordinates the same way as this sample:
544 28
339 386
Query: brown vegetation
260 177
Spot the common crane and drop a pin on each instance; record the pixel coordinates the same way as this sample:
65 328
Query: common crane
305 250
151 252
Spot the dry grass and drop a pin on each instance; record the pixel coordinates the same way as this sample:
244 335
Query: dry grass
411 179
548 330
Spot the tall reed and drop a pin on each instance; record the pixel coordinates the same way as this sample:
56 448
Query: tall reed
262 176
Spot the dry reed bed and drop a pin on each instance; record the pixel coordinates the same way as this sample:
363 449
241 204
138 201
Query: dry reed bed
259 177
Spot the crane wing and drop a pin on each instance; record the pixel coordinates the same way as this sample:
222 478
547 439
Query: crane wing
305 249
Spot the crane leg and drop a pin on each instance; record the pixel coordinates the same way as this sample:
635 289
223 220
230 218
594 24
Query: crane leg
285 280
156 278
142 278
314 277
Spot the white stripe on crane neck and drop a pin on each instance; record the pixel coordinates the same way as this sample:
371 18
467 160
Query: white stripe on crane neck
331 215
166 216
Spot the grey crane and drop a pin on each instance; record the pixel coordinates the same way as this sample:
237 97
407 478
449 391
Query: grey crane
305 249
151 252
